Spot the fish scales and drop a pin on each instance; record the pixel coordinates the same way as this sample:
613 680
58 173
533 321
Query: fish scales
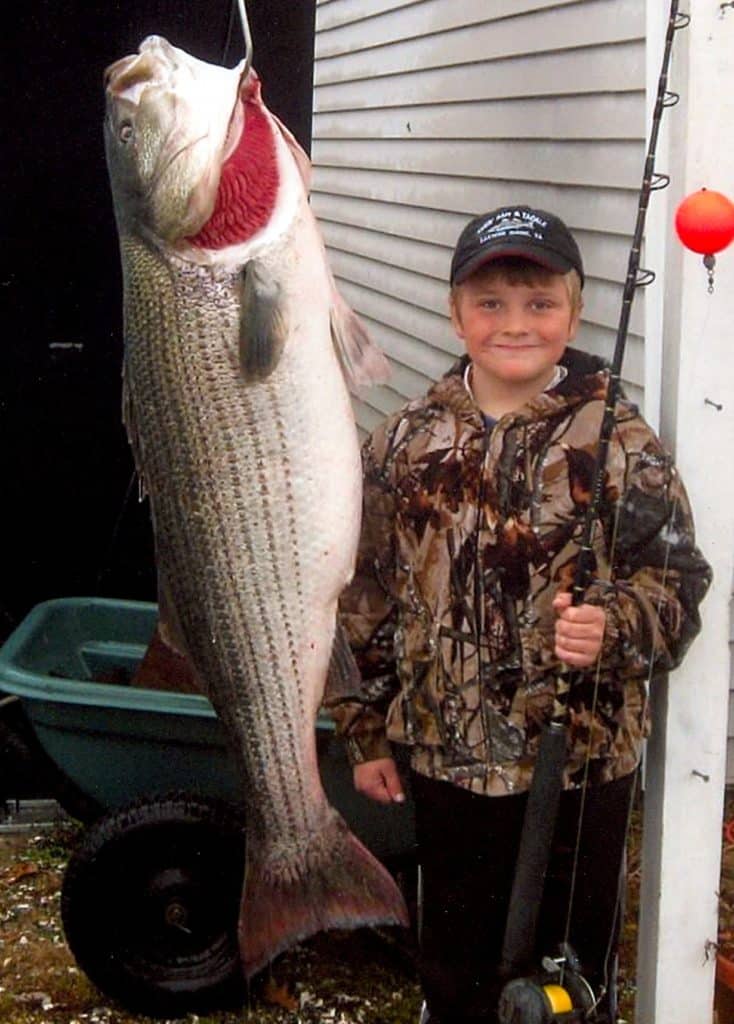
240 420
245 565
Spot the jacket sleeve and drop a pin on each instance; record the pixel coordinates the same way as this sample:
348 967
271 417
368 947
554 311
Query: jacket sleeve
368 615
659 576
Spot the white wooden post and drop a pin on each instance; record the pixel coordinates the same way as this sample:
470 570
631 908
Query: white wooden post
686 757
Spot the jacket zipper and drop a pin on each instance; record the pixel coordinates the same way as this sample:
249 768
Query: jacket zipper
479 609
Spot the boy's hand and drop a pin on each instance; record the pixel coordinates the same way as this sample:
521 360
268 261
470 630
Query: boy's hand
379 780
579 631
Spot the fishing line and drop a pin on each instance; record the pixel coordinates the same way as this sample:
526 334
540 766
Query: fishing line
651 182
645 705
246 34
584 790
636 783
669 99
238 7
106 561
230 31
544 795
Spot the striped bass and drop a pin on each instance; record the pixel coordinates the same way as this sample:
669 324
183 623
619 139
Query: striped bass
236 350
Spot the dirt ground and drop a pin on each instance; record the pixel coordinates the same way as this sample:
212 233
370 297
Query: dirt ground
359 977
363 977
726 896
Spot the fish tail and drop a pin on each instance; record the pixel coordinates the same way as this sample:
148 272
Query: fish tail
338 883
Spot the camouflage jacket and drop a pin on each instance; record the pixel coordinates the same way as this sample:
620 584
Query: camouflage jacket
468 533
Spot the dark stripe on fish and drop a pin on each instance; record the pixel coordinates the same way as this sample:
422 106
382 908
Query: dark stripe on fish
254 437
289 503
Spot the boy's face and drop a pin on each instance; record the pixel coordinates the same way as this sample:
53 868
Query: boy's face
514 333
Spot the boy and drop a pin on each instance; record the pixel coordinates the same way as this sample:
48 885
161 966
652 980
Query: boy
460 613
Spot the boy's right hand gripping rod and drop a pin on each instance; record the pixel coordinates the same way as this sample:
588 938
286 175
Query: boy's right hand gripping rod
542 810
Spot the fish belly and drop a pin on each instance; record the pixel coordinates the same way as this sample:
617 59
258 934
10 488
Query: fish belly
256 496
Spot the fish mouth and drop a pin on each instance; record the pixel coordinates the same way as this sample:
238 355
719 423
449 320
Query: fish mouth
153 64
124 74
196 108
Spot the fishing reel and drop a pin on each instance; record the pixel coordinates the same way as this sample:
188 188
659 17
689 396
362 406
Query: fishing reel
557 994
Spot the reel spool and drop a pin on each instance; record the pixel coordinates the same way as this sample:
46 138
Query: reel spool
559 994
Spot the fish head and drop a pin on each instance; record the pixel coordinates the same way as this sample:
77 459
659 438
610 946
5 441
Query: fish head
171 122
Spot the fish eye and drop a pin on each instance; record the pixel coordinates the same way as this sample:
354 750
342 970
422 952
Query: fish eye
125 131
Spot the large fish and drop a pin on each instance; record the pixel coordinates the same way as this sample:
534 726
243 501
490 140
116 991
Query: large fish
236 349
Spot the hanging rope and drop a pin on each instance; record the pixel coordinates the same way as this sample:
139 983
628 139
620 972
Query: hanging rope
238 8
246 34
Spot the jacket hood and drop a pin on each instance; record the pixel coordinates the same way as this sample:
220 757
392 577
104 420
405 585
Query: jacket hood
586 380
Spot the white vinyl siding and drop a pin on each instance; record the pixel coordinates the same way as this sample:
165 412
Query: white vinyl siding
431 111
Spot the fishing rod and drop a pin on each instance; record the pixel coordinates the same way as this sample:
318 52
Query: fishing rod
559 991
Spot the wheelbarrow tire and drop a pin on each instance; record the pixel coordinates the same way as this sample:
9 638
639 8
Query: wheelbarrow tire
150 902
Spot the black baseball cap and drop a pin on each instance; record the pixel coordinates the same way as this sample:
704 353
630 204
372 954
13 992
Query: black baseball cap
536 235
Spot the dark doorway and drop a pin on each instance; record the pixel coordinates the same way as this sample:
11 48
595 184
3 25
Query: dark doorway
73 524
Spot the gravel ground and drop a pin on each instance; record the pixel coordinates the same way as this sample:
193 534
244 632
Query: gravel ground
363 977
726 900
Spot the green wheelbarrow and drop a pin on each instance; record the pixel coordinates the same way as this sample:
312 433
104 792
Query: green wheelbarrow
151 894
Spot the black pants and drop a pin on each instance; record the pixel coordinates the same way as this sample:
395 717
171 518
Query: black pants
467 846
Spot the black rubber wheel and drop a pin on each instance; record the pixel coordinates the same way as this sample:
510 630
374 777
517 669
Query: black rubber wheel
150 902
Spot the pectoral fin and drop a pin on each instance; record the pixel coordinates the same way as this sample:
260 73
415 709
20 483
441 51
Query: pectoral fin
302 160
362 362
169 626
262 324
167 664
343 676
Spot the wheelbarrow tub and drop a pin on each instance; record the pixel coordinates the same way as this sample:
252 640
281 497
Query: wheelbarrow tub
117 743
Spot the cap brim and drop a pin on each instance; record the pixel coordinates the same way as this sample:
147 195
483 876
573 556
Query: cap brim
549 260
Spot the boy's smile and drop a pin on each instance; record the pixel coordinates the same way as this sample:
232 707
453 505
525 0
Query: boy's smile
514 335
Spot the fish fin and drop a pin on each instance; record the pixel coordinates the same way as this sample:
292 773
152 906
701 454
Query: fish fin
163 668
169 626
173 637
262 324
361 360
302 159
337 883
343 676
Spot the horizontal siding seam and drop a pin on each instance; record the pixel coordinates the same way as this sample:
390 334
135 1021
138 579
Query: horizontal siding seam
456 65
535 140
545 97
514 181
608 328
405 5
337 57
550 97
615 229
359 156
446 249
323 34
